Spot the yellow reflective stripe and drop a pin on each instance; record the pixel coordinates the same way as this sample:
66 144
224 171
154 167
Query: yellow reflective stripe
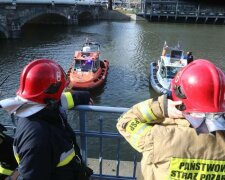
5 171
16 155
66 157
137 130
146 112
198 169
69 99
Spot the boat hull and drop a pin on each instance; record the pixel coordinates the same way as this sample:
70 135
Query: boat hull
89 81
154 80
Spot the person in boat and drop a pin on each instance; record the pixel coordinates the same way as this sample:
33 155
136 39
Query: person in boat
181 136
190 57
44 143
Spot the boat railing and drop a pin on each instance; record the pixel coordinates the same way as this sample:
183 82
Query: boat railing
102 147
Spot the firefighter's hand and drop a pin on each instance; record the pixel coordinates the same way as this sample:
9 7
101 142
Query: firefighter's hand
14 176
173 112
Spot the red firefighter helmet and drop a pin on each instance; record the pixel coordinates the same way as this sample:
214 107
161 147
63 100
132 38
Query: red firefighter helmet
200 86
42 80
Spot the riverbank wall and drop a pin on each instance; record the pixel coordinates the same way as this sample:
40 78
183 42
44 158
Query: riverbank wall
118 15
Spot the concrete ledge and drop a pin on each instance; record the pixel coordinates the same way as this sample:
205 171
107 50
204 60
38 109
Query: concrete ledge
116 15
136 18
109 167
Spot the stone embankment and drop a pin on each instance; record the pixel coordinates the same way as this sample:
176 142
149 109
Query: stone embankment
118 15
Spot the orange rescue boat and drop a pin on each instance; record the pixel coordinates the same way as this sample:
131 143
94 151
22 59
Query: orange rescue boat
87 70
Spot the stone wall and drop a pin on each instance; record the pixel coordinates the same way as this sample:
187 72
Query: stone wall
112 15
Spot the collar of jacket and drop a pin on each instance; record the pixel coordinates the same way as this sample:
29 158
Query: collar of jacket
179 122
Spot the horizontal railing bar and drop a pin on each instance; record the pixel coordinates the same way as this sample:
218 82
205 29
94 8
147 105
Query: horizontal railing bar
97 134
108 177
106 109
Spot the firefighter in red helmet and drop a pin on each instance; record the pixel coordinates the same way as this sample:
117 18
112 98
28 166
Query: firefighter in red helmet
41 81
201 88
181 137
44 144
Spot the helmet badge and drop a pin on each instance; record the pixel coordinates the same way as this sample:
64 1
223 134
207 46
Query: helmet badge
58 76
177 77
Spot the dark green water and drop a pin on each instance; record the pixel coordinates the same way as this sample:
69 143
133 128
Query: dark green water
129 47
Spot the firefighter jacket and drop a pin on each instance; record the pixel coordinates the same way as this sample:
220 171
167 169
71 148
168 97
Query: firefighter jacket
44 144
170 148
43 148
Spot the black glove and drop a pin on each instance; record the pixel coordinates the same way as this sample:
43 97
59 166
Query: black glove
74 98
81 97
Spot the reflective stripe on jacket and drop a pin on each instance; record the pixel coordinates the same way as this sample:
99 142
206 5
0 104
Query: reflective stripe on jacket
5 171
65 157
171 149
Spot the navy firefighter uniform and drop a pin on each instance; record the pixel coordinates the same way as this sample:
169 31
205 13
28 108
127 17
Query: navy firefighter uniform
44 144
44 148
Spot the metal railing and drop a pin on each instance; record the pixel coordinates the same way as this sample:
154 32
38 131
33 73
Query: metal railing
84 133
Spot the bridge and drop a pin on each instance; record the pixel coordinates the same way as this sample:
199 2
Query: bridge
16 13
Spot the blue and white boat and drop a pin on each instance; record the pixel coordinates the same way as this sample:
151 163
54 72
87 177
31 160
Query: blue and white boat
163 71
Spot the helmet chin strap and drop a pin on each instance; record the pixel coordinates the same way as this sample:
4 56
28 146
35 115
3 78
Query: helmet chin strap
51 103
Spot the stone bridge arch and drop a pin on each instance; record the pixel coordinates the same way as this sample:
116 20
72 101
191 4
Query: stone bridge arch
44 17
3 32
13 18
85 16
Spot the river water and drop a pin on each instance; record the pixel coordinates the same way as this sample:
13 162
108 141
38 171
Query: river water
128 45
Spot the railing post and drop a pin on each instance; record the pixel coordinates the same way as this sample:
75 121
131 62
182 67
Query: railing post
83 138
100 147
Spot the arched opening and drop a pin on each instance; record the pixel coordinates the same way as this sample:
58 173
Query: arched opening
53 19
3 34
38 26
85 17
